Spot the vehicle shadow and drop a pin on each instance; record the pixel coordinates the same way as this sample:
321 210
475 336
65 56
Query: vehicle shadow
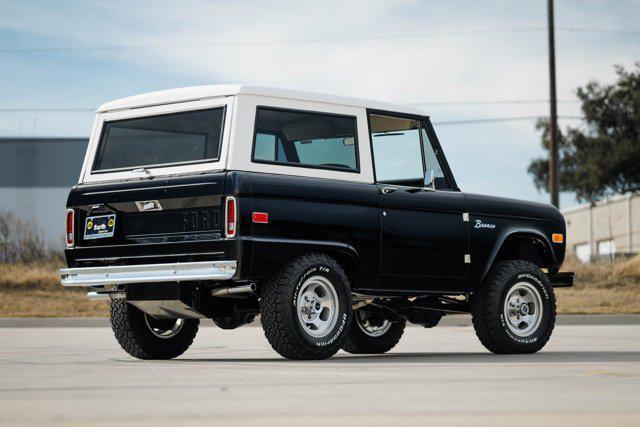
456 357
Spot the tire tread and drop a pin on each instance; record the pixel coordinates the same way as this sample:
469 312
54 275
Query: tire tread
488 301
275 299
125 323
358 342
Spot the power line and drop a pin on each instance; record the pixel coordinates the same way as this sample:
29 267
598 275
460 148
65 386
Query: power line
445 103
598 30
438 123
493 102
309 40
46 110
498 120
274 42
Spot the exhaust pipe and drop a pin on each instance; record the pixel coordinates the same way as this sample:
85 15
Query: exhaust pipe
244 289
94 296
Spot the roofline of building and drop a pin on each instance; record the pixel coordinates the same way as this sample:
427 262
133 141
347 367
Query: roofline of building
43 140
609 200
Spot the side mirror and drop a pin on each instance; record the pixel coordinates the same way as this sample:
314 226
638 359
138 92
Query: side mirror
430 179
350 140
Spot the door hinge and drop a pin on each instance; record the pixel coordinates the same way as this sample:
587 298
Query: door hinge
465 216
467 259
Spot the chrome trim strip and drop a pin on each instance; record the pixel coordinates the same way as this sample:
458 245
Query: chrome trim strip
148 273
120 258
127 190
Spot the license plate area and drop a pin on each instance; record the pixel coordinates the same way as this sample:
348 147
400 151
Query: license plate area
99 226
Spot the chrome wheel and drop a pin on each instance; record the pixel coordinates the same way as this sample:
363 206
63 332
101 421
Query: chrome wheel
370 326
164 328
317 306
523 309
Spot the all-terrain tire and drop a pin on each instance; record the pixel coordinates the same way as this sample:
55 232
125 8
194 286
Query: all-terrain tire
135 336
488 312
359 342
279 308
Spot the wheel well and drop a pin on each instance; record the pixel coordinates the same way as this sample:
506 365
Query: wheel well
525 247
347 263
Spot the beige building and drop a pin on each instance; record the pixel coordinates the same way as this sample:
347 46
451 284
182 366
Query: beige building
610 227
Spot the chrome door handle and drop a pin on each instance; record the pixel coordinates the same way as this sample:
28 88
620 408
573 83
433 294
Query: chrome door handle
387 190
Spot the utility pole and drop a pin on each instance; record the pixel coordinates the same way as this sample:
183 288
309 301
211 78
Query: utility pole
554 179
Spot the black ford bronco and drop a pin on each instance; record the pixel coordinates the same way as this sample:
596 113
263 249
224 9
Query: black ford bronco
337 220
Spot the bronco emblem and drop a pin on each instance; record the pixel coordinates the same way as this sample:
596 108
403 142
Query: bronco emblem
480 224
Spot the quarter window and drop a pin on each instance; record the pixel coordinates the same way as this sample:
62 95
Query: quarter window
297 138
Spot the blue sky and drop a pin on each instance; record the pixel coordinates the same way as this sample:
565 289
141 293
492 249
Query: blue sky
415 54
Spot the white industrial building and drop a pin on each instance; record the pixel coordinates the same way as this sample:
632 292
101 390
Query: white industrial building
606 229
35 177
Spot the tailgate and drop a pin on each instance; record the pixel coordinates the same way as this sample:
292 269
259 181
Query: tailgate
146 221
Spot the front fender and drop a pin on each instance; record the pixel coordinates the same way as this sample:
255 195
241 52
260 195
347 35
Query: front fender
518 231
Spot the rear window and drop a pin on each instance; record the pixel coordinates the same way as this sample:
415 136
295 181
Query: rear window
301 138
168 139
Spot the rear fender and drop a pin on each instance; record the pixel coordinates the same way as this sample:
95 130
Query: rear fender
272 254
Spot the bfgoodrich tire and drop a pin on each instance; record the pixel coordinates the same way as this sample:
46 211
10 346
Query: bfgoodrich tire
372 334
144 337
515 309
306 308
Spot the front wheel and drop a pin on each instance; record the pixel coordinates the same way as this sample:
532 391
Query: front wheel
145 337
372 333
306 308
515 310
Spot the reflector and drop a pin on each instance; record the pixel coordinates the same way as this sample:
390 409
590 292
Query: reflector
260 217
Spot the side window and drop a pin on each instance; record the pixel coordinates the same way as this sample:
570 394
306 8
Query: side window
397 150
403 152
265 147
432 164
300 138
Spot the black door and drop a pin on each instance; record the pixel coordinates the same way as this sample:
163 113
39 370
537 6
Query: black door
424 237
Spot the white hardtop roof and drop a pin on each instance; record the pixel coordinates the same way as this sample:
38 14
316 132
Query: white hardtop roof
213 91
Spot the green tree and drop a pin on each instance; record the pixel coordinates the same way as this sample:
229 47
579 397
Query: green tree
601 157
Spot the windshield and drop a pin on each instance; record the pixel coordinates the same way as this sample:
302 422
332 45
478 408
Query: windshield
187 137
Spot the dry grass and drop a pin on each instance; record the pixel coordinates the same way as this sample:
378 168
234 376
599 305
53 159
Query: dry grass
602 288
33 290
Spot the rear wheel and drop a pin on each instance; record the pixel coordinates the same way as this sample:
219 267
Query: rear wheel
515 311
372 333
145 337
306 308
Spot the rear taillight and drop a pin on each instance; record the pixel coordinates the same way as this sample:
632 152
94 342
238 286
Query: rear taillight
70 235
231 215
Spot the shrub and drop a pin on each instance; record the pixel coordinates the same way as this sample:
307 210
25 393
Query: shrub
22 242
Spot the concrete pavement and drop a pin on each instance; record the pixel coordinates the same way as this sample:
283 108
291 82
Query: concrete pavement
449 320
587 375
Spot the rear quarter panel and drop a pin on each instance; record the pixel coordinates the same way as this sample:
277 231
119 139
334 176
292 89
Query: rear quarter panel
312 214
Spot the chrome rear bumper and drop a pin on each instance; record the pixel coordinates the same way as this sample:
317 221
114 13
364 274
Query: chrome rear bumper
148 273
